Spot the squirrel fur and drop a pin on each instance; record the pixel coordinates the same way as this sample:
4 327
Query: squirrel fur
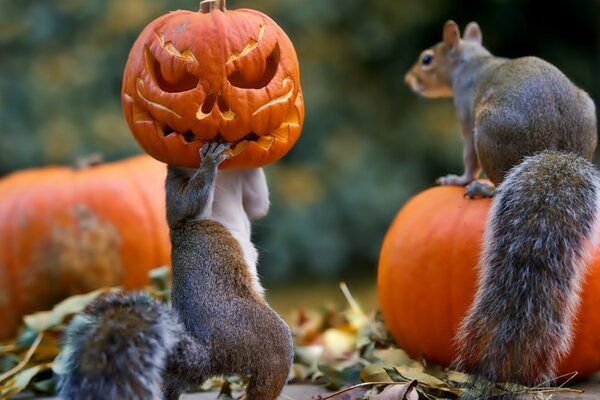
533 133
132 347
507 108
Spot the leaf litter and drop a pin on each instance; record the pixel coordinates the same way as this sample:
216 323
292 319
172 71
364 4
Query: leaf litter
347 351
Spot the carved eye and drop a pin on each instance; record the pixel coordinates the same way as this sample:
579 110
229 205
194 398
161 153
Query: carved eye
183 83
427 59
241 79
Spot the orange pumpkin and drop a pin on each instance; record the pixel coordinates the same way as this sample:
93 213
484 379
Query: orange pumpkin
215 74
65 231
427 279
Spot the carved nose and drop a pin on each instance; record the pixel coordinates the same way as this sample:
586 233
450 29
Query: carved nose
211 102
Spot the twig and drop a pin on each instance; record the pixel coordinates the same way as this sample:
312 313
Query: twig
9 348
353 304
25 360
331 396
540 389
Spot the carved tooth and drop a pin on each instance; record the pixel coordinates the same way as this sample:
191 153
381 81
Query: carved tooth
241 146
265 142
159 131
185 142
230 153
283 132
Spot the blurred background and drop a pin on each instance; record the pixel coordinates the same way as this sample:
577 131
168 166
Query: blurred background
368 143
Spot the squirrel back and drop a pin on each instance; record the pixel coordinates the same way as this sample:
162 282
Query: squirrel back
508 108
526 105
212 298
214 289
542 224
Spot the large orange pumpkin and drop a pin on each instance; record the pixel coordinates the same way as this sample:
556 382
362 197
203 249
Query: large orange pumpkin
214 74
427 279
65 231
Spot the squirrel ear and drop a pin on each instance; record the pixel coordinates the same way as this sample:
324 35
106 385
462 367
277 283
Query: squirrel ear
451 34
473 33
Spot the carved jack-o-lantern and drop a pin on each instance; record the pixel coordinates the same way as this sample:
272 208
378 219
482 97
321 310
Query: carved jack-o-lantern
213 75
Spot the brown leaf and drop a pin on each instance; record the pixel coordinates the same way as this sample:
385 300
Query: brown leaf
20 381
393 356
405 391
44 320
374 373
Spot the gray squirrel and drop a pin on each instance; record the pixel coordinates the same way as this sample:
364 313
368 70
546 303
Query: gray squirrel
132 347
533 133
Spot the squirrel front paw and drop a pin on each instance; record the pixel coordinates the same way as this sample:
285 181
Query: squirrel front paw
454 180
212 154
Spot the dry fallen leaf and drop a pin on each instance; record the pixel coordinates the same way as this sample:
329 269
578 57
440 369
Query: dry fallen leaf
406 391
45 320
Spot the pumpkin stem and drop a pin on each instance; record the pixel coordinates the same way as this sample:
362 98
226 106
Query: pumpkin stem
208 6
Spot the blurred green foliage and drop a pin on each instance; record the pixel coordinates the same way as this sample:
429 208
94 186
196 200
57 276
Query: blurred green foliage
368 142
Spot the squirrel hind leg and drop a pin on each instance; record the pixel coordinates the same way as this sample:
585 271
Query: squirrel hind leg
480 189
269 370
188 364
267 384
268 379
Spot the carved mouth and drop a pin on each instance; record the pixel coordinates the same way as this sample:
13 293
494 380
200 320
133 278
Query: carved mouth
140 115
265 142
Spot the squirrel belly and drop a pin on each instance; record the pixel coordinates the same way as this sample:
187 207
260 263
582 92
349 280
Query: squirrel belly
539 232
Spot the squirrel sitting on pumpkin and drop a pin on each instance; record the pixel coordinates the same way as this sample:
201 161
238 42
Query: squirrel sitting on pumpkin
533 133
131 347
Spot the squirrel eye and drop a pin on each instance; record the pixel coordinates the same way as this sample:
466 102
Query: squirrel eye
427 59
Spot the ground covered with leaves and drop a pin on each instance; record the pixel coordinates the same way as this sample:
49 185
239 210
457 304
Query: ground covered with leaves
348 351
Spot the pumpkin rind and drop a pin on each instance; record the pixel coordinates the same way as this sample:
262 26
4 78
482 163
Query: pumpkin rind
193 77
67 231
427 278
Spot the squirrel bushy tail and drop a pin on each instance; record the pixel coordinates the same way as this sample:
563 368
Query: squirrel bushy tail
539 231
120 347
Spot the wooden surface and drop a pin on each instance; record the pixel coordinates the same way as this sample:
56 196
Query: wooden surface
307 392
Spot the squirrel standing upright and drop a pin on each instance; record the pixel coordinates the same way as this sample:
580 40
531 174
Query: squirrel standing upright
132 347
533 132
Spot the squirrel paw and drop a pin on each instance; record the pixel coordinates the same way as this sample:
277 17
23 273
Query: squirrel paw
454 180
214 153
479 189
